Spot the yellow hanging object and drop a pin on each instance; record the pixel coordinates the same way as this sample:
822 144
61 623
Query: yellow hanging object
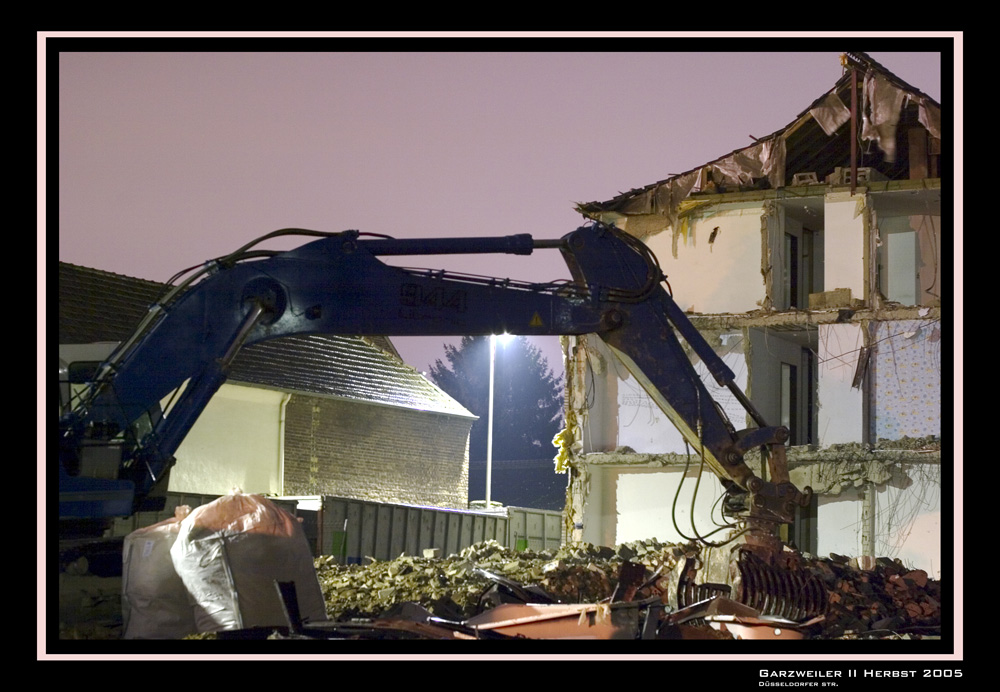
562 441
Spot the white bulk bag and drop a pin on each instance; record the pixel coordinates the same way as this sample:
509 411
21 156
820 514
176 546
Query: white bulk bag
155 603
230 552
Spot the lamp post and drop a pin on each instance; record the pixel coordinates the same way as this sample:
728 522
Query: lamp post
504 338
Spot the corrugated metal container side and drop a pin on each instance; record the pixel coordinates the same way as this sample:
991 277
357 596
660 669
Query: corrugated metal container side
534 529
352 530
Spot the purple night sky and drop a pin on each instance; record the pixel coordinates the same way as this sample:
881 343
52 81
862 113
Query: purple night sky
167 159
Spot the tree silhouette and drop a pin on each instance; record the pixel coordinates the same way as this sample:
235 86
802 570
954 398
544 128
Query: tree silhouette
527 405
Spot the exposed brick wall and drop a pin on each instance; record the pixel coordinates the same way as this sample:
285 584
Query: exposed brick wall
382 453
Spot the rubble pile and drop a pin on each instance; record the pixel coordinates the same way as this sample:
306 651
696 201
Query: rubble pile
883 599
887 598
451 587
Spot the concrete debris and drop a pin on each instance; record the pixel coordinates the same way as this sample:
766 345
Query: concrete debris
452 586
838 297
888 600
929 443
833 478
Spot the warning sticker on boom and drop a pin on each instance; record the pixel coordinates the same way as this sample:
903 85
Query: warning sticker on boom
536 321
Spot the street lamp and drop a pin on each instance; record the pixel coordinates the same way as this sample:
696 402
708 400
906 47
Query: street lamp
504 339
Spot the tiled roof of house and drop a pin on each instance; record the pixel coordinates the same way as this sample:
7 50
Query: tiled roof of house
101 306
348 367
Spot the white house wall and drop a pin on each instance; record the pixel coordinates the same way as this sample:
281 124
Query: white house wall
597 375
646 504
840 404
630 504
844 243
621 414
235 443
714 271
907 519
839 520
642 426
599 517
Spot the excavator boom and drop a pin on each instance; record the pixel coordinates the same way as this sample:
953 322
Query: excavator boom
336 284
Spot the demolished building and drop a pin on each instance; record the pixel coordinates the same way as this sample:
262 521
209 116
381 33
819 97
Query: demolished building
814 262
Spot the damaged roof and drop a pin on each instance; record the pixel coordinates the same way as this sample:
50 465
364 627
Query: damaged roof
816 141
98 306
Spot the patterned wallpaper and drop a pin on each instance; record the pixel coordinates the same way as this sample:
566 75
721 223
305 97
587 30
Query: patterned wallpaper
906 395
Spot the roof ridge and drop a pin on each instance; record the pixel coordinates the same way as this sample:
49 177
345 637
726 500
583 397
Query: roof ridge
864 60
105 272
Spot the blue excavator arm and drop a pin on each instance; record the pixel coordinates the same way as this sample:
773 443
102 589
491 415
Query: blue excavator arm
336 284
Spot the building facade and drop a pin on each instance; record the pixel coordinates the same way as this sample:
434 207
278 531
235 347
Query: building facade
815 269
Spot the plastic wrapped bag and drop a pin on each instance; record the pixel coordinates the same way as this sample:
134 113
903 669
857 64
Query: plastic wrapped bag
230 552
155 603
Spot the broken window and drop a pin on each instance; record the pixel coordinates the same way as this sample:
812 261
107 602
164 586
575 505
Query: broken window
783 379
908 260
798 253
909 247
799 268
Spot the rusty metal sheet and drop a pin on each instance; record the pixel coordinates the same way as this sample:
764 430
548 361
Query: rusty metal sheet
560 621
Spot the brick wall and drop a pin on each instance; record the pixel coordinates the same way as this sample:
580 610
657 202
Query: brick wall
382 453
